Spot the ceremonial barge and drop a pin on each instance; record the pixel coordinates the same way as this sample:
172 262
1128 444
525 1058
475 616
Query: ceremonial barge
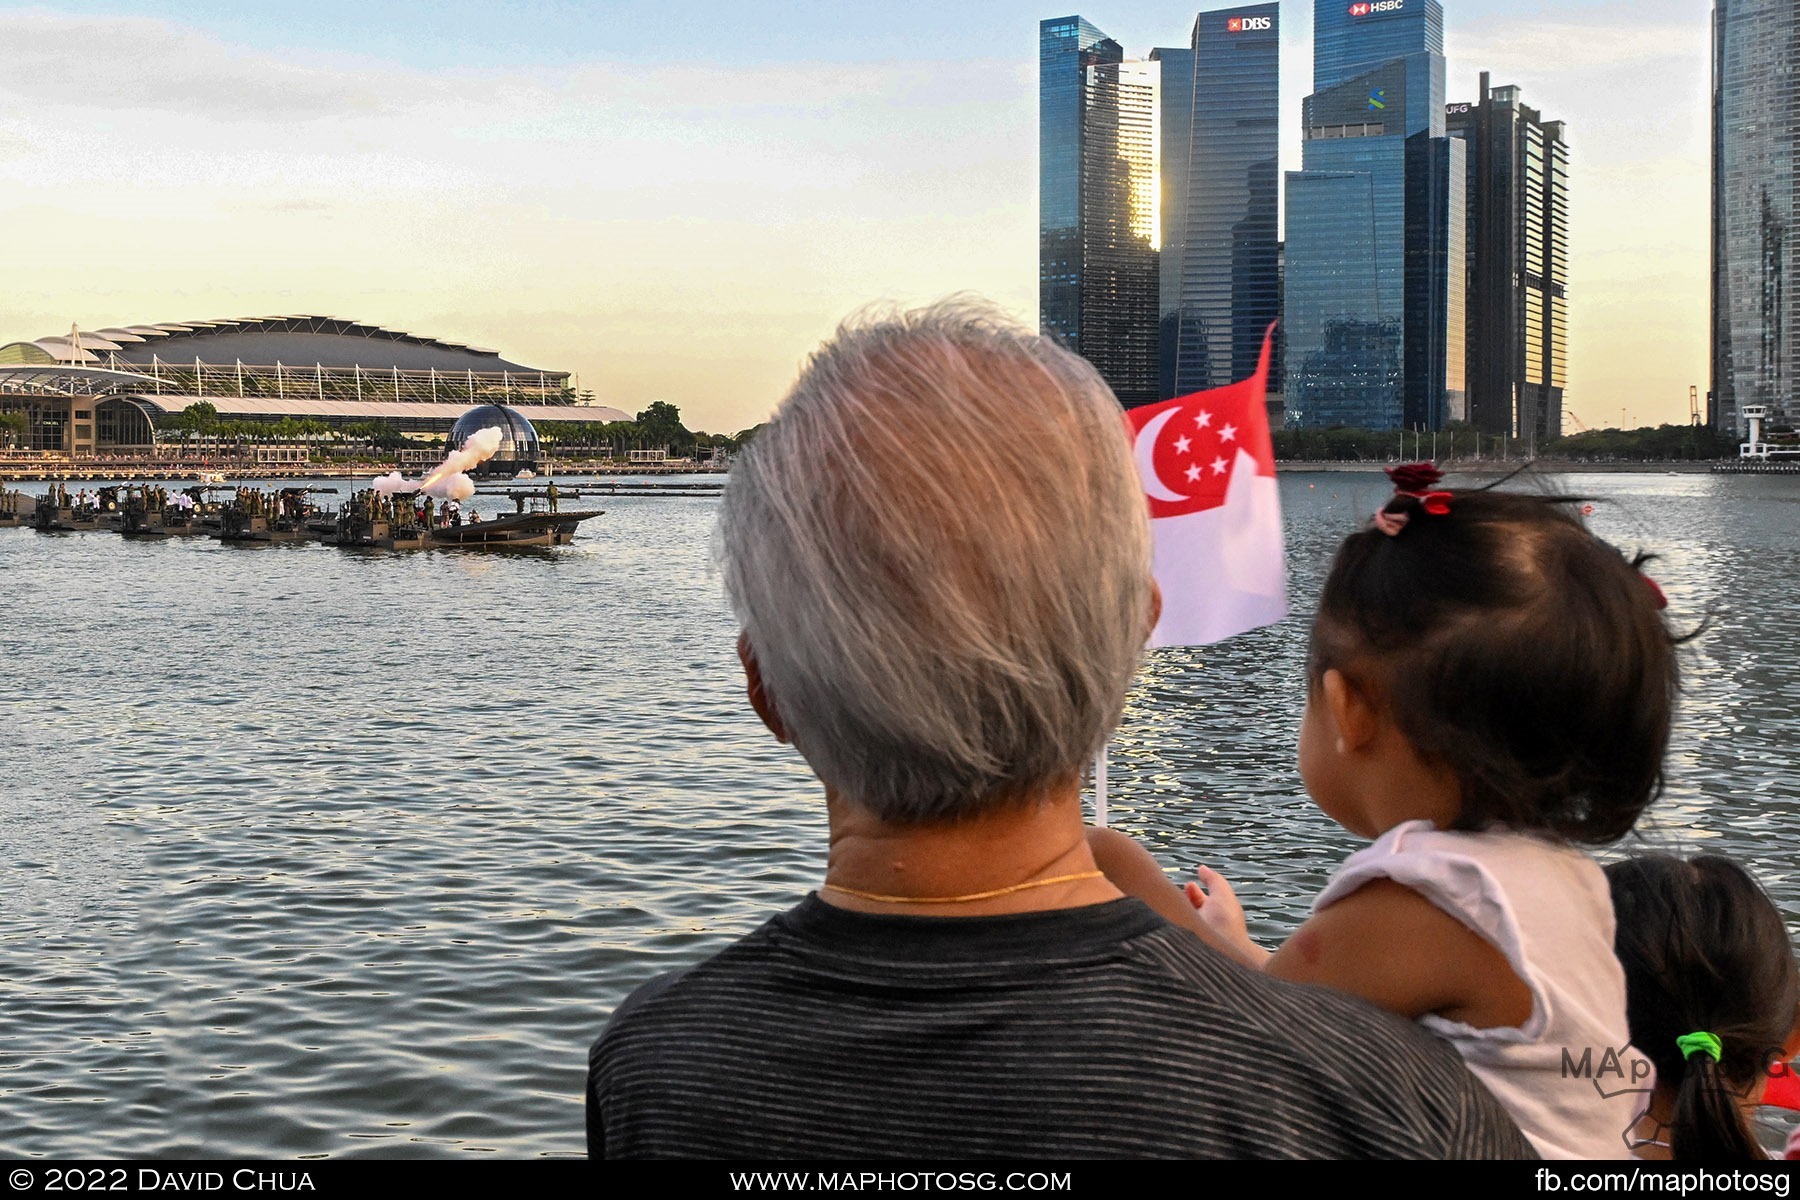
259 516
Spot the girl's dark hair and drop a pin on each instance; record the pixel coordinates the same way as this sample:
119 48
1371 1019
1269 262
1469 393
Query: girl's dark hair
1517 649
1704 950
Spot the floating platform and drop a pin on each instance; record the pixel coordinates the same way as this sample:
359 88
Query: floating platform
518 529
349 527
1756 467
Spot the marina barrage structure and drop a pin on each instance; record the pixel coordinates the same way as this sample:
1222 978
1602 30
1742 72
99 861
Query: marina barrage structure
95 393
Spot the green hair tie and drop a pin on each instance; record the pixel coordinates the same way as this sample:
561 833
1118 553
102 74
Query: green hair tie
1690 1043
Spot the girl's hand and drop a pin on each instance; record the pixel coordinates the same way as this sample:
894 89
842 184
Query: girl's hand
1218 909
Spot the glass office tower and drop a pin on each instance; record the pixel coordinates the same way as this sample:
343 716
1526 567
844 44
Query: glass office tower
1097 259
1374 287
1351 37
1756 121
1518 264
1220 245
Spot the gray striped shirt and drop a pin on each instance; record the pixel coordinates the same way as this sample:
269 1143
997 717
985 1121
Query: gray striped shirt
1088 1032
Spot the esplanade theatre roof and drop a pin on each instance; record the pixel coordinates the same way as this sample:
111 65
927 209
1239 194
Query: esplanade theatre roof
294 341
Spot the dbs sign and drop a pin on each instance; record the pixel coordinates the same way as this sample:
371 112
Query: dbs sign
1248 24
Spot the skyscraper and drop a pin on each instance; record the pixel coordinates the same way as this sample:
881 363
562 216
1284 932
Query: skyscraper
1097 258
1518 235
1374 280
1756 122
1220 250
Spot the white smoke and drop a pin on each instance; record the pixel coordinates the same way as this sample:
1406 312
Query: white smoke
476 450
449 480
456 487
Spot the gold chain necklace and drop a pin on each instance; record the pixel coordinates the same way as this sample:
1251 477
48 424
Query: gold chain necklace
1005 891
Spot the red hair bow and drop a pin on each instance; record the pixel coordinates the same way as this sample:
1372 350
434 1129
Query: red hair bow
1411 479
1415 480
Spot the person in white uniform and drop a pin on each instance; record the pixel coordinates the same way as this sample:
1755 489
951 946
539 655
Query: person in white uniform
1490 688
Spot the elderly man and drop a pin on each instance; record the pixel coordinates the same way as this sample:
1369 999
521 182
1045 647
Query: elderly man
938 553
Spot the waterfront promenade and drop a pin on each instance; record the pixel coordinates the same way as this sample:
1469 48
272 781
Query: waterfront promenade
60 468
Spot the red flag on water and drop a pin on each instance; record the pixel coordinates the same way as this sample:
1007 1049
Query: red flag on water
1208 470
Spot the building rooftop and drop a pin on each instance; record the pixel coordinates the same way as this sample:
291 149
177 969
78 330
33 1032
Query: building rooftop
295 340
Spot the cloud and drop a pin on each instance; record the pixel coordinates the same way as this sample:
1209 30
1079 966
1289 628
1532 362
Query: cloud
146 64
1538 46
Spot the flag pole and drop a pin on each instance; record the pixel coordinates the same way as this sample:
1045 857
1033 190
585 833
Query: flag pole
1100 788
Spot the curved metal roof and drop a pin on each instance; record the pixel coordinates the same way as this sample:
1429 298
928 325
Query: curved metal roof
33 379
270 406
301 322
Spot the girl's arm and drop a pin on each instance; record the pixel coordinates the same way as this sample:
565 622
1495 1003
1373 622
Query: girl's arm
1399 951
1134 871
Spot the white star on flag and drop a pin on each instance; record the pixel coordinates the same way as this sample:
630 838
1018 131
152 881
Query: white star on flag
1215 510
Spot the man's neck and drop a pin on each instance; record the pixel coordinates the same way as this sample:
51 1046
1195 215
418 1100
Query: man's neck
1029 855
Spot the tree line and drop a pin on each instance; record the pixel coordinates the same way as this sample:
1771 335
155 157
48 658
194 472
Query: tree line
1458 439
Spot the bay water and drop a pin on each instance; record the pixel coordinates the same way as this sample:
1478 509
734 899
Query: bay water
315 852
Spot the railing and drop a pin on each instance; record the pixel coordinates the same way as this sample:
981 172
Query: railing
285 381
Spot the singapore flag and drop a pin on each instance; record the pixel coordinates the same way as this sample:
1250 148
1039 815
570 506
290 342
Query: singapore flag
1208 470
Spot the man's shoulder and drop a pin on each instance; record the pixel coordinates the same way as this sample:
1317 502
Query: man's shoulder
646 998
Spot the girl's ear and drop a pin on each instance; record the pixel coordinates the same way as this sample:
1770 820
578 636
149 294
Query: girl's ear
1353 714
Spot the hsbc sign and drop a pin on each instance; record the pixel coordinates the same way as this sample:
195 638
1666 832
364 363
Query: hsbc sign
1371 7
1248 24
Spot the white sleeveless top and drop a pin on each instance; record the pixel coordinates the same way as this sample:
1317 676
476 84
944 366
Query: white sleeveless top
1547 908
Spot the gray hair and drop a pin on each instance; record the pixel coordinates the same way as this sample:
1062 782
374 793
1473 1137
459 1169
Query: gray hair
939 552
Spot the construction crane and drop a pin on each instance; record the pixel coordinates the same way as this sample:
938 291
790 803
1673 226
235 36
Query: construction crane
1580 425
1693 404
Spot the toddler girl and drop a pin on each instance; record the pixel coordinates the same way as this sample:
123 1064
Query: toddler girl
1489 686
1712 989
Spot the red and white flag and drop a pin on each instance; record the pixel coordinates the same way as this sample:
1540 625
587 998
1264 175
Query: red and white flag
1208 470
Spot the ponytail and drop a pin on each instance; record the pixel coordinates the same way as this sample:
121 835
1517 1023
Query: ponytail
1707 1124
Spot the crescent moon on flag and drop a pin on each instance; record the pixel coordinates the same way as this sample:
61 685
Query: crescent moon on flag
1144 449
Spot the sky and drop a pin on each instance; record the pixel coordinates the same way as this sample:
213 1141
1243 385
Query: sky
680 202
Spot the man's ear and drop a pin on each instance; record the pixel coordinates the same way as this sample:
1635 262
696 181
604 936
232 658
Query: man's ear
1155 607
760 700
1354 716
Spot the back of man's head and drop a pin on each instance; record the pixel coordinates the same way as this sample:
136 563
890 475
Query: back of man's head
939 554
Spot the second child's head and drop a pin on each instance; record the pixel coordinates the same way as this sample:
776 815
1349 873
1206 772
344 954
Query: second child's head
1711 990
1520 658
